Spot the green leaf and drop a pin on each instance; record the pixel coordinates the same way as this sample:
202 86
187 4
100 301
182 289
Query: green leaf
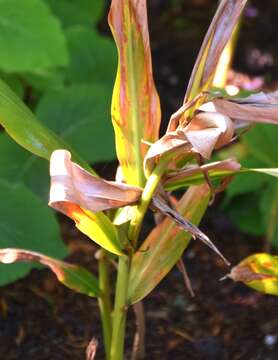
23 126
269 210
261 142
244 211
30 36
259 271
13 81
20 123
45 79
26 222
77 12
18 165
252 198
93 58
80 115
135 103
72 276
165 245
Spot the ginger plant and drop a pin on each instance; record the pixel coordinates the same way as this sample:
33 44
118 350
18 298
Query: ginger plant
150 168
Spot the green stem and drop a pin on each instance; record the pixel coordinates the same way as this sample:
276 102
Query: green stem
120 309
104 301
151 185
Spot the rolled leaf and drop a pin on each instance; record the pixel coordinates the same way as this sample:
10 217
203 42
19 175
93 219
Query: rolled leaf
217 37
70 183
72 276
135 103
20 123
260 108
259 271
165 245
78 194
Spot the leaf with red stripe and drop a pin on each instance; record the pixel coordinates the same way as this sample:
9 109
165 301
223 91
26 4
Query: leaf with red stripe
135 103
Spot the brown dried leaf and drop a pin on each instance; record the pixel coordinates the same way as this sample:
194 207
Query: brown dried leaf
217 37
78 194
186 225
205 132
72 184
72 276
261 108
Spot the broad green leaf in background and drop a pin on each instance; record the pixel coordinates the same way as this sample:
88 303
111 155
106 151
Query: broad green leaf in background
251 199
80 115
135 103
72 276
30 36
20 123
84 121
165 245
258 271
14 82
93 57
77 12
261 142
26 222
42 80
20 166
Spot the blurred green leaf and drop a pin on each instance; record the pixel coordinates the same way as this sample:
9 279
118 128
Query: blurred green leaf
244 211
251 199
261 142
13 81
18 165
269 210
45 79
92 57
80 114
26 222
77 12
30 36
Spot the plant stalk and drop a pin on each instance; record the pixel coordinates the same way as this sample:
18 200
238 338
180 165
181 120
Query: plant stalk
104 301
120 310
149 190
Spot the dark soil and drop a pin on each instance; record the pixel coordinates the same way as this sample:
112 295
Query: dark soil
42 320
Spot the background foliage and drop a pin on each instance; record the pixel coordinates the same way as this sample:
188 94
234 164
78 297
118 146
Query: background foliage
58 63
